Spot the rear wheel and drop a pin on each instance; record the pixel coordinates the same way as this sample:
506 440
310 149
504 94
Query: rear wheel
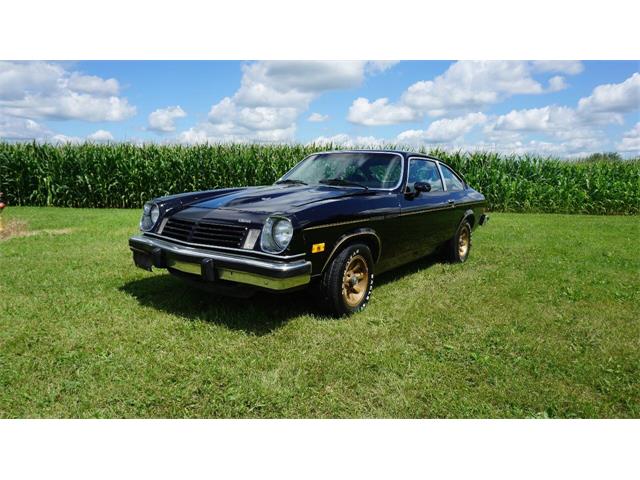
457 249
347 282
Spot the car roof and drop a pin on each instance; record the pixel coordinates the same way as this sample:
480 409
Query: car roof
404 153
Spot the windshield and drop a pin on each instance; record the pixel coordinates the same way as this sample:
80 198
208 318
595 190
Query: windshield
364 169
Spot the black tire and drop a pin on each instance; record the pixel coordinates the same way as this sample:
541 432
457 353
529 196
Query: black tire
453 249
344 269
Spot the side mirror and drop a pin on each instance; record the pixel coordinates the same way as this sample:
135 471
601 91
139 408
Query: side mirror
422 187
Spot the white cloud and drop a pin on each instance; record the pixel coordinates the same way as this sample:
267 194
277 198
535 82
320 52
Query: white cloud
24 129
40 90
379 66
304 76
294 84
560 123
543 119
379 112
93 84
577 127
519 146
556 84
317 117
271 97
444 130
345 140
21 129
570 131
574 131
163 119
229 133
569 67
252 118
613 98
630 140
469 84
100 136
59 138
465 86
16 78
70 106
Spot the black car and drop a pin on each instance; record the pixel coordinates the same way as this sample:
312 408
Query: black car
331 222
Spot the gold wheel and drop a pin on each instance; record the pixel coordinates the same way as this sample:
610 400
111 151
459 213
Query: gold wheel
464 240
355 281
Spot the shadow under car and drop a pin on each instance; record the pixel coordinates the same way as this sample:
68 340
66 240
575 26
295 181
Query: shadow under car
260 314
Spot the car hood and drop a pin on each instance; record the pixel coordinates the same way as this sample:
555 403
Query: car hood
276 198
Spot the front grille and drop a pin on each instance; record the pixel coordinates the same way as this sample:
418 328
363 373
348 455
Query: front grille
205 232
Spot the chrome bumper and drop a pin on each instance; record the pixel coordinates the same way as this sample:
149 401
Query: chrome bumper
211 265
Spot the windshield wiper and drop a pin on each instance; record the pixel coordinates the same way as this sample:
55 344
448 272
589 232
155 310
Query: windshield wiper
291 180
342 182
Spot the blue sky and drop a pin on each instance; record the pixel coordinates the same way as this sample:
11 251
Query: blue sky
567 108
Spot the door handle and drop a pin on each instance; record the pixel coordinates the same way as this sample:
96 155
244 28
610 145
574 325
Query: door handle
451 203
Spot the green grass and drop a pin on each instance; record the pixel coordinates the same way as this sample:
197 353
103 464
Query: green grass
542 321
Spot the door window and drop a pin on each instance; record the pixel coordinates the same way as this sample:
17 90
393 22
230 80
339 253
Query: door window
424 171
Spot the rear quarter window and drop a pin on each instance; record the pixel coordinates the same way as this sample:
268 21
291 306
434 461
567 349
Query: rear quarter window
451 180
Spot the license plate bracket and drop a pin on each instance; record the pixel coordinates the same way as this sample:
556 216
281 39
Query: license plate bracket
204 268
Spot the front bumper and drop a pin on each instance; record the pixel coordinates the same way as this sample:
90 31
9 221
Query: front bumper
212 265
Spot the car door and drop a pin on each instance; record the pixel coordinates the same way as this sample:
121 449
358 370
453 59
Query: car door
424 214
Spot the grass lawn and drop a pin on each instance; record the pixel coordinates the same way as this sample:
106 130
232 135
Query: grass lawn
542 321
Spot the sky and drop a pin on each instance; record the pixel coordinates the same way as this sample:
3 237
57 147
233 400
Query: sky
559 108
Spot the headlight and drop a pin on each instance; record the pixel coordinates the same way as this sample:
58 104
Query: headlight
150 216
155 213
276 234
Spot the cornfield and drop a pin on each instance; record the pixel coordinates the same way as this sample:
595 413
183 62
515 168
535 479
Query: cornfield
126 175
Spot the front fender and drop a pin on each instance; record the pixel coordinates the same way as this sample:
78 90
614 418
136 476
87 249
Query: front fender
371 235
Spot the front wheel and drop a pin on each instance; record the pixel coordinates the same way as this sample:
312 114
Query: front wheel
347 282
457 249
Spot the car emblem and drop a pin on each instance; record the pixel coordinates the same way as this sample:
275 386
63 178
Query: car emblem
244 220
